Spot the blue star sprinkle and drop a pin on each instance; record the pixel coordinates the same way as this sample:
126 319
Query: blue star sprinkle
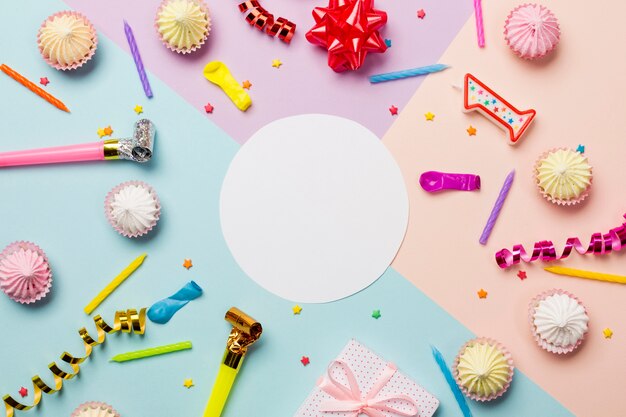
581 149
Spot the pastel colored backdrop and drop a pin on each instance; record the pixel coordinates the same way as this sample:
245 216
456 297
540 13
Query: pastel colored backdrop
61 209
577 102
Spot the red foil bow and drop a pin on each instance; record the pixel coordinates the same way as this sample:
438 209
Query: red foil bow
264 21
599 244
348 29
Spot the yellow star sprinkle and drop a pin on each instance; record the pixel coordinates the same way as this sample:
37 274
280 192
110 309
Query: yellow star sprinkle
429 116
276 63
188 383
296 309
607 333
138 109
471 131
101 132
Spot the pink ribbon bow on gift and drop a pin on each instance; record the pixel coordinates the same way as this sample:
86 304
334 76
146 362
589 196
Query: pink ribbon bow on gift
348 399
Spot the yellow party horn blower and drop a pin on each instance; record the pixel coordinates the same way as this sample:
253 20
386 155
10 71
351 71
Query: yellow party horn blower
245 332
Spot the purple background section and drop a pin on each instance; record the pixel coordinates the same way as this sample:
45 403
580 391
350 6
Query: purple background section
305 83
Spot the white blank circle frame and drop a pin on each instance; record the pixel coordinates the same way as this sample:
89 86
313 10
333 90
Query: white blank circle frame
314 208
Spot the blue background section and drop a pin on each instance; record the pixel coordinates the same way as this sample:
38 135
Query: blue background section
61 209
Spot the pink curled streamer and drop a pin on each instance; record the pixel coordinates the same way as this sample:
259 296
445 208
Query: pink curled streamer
599 244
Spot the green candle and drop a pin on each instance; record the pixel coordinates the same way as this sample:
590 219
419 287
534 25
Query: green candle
155 351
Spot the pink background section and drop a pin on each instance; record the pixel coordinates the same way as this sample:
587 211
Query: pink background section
297 87
579 97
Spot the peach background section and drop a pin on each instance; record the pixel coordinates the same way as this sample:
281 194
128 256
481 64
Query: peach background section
580 97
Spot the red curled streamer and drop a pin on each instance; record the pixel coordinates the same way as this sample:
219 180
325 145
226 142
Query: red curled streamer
264 21
599 244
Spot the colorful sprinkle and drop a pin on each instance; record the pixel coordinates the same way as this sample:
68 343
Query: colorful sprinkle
305 360
471 130
276 63
429 116
393 110
208 108
482 293
44 81
608 333
187 263
138 109
188 383
522 275
581 149
376 314
421 14
246 84
23 392
296 309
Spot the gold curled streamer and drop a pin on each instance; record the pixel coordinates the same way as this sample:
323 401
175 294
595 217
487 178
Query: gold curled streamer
129 321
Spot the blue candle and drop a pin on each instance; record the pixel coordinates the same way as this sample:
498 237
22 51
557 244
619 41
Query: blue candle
414 72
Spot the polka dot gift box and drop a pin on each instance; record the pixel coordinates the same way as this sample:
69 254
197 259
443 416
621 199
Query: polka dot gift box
361 382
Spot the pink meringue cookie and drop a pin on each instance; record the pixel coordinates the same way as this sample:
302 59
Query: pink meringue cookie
531 31
25 274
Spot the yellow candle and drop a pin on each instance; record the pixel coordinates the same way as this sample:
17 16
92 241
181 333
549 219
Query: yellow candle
579 273
117 281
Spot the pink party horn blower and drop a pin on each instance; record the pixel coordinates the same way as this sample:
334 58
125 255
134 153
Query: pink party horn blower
137 148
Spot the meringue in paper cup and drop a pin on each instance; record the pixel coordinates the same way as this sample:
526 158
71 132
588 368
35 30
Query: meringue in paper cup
183 25
531 31
25 274
558 321
483 369
132 208
95 409
67 40
563 176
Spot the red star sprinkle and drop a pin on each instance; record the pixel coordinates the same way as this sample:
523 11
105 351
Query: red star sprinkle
522 275
208 108
305 360
23 392
393 110
421 13
44 81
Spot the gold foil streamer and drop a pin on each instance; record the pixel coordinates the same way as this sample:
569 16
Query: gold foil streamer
129 321
264 21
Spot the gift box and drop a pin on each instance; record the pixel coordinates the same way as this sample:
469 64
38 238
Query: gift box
359 382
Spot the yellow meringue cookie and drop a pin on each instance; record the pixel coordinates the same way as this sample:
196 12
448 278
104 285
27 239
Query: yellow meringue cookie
563 174
183 24
66 40
483 369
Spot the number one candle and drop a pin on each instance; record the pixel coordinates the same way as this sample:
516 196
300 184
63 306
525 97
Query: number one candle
138 62
477 96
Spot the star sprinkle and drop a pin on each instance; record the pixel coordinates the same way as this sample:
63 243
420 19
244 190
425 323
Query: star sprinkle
581 149
101 132
276 63
388 43
108 131
521 275
188 383
305 360
208 108
471 130
44 81
421 14
246 84
187 264
429 116
138 109
296 309
393 110
608 333
23 392
482 293
376 314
